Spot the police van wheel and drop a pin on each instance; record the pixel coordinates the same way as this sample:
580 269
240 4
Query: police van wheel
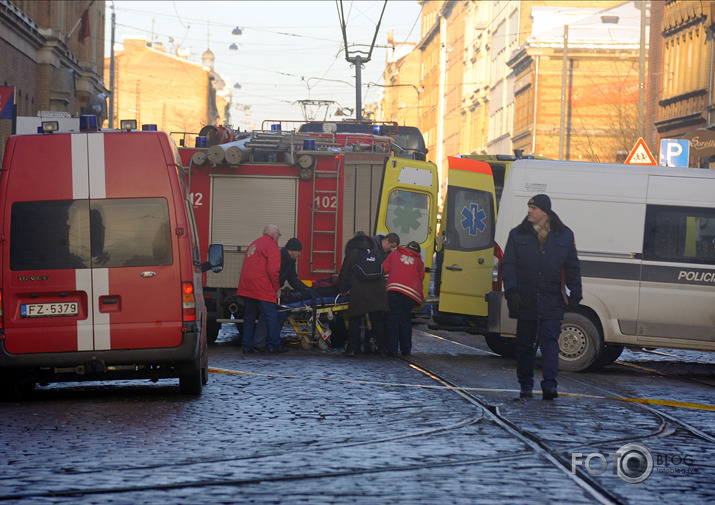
580 343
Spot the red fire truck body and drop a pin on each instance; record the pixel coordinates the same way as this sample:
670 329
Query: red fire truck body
318 187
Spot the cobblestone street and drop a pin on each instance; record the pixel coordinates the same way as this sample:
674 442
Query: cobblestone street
315 427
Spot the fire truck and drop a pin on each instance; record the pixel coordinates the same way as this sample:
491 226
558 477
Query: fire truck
320 184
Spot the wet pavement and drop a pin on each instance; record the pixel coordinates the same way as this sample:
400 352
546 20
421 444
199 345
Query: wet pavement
315 427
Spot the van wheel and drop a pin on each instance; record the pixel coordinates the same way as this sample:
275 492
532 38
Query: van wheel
580 343
503 346
192 382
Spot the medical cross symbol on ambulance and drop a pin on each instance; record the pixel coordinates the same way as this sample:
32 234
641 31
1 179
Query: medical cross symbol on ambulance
474 218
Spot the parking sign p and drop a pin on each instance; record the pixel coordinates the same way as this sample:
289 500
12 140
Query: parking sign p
674 153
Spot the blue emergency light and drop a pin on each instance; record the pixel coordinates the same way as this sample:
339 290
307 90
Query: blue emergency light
148 127
88 123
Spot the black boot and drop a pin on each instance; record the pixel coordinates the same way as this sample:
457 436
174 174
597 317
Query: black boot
549 394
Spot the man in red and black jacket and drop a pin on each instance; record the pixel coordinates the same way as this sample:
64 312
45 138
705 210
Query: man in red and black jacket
406 271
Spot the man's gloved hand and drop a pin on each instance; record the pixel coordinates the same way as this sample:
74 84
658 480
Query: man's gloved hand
573 304
513 301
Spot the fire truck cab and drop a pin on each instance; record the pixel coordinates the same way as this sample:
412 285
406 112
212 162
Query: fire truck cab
319 186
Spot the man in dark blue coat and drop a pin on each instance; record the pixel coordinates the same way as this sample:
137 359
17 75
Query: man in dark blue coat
539 255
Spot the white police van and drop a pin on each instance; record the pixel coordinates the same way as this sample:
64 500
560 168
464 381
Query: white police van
646 240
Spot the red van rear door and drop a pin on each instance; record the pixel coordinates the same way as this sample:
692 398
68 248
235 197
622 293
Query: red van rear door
136 267
93 261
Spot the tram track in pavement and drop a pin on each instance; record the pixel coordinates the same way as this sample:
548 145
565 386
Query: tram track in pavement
484 411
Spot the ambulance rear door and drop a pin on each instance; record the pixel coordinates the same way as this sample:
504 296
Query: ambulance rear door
467 235
408 205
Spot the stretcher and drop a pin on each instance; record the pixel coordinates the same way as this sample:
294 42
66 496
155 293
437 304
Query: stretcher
310 318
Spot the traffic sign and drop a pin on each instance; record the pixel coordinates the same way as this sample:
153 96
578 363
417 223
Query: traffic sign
640 155
674 153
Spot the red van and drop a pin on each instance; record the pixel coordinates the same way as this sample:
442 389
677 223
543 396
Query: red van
101 272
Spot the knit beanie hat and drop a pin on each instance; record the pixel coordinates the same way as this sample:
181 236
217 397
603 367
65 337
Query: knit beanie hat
414 246
293 244
541 201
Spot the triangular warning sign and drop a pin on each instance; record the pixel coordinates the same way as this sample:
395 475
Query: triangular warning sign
640 155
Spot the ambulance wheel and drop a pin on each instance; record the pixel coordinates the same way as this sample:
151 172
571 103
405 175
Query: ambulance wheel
503 346
191 382
609 354
580 343
324 343
306 342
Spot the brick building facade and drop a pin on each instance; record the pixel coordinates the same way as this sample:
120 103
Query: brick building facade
156 87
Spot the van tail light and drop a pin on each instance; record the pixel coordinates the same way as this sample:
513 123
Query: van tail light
2 318
496 268
188 301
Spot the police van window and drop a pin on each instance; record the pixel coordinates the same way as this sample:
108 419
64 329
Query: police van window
49 235
136 233
408 215
679 234
470 220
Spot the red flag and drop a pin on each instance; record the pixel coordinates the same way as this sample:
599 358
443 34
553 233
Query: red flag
84 30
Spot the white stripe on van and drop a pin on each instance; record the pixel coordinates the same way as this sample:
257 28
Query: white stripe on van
85 327
95 147
100 287
80 177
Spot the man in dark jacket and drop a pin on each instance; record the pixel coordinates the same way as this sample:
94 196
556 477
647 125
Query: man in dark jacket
289 274
385 244
537 252
366 296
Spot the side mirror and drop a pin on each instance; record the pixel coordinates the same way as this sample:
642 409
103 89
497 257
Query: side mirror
215 262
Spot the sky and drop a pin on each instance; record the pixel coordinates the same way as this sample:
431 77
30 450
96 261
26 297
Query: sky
287 50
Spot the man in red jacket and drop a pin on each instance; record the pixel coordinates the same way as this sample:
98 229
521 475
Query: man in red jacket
259 288
406 271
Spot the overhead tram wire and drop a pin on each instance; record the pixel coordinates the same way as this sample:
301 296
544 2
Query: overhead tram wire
357 59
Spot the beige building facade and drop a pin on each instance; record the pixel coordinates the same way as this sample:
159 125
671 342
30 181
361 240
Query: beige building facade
467 101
